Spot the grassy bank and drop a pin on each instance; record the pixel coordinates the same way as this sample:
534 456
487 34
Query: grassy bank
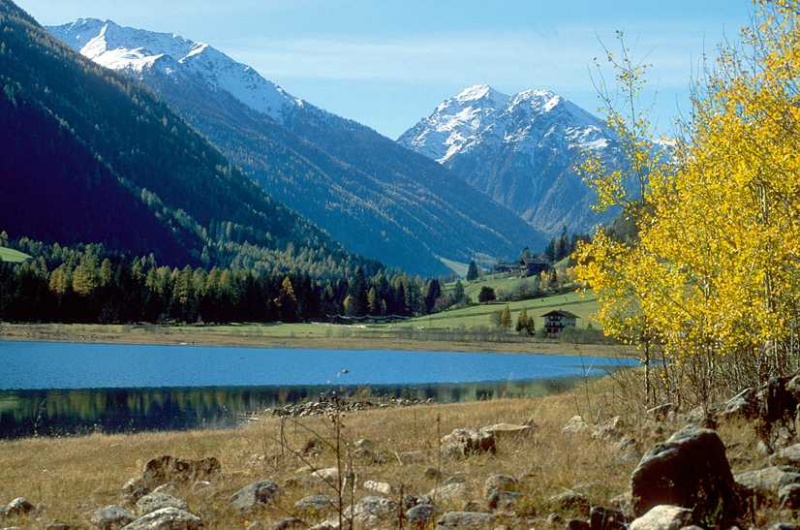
70 477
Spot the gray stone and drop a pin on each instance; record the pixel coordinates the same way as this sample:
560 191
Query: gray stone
17 507
507 430
787 456
370 510
157 500
783 526
503 500
447 492
462 443
764 483
789 496
166 519
575 425
663 517
111 517
499 482
420 515
570 500
316 503
257 494
610 430
744 405
454 520
170 469
374 486
606 519
690 470
134 489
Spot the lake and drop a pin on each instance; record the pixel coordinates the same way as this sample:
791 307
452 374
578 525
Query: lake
66 388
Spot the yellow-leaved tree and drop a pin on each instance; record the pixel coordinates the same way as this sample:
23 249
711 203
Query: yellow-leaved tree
712 277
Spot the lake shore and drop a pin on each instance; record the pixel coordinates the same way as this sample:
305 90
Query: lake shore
312 336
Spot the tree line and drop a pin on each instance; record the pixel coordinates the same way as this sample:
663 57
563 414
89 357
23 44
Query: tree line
88 283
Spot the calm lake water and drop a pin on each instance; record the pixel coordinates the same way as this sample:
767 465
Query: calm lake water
66 388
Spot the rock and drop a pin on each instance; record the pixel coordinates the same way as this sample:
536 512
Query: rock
17 507
610 430
170 469
660 412
478 520
166 519
465 442
328 474
578 524
787 456
111 518
663 517
412 457
420 515
570 500
624 503
606 519
627 452
289 523
316 503
134 489
575 425
157 500
502 500
690 470
254 495
382 488
507 430
447 492
783 526
743 405
765 483
789 496
498 482
554 519
364 443
370 510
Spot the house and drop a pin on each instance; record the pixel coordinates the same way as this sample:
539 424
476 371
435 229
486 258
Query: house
532 266
556 321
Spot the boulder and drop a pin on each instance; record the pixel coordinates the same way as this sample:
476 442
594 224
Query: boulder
17 507
371 510
167 468
382 488
454 520
316 503
255 495
447 492
166 519
788 456
743 405
765 483
157 500
499 482
610 430
134 489
570 500
420 516
502 500
575 425
507 430
606 519
465 442
688 470
111 518
663 517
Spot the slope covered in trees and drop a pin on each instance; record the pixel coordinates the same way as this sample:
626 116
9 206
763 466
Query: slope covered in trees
90 156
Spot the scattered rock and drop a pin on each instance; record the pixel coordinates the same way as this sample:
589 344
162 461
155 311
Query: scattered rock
111 518
412 457
606 519
420 515
783 526
765 483
17 507
316 503
465 442
743 405
328 474
369 511
661 412
499 482
166 468
157 500
465 520
690 470
507 430
502 500
575 425
663 517
447 492
787 456
134 489
166 519
570 500
383 488
254 495
611 429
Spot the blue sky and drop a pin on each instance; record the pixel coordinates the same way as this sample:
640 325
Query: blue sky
388 63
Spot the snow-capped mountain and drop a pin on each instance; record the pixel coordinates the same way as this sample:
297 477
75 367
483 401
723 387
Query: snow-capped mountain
521 150
378 198
134 51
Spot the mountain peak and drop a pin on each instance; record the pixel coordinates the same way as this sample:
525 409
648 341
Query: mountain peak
478 92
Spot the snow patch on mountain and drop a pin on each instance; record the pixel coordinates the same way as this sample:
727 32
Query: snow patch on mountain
138 51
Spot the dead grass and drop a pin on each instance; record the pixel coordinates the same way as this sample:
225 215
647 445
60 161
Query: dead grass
71 477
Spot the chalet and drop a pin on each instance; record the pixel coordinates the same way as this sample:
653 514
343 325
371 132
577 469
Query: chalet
532 266
556 321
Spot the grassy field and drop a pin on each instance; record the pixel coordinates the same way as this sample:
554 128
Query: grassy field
12 256
69 478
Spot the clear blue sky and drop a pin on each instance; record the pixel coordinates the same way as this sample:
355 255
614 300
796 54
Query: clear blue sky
387 63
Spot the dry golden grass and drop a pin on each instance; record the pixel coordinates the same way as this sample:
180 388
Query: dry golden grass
71 477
